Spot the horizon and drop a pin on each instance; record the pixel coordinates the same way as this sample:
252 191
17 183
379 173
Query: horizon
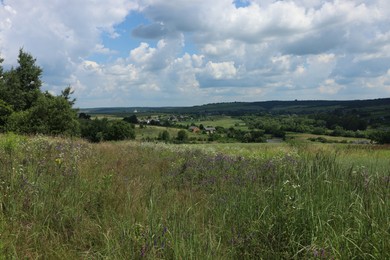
157 53
230 102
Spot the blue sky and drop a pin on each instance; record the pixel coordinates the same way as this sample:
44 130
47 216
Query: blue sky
192 52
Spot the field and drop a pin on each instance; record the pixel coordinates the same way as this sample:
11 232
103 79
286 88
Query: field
69 199
223 121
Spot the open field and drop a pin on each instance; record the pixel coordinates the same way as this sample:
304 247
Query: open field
223 121
69 199
303 137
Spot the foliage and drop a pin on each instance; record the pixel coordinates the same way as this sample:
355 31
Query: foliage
182 136
25 109
5 112
131 119
119 130
50 115
98 130
381 136
164 136
22 85
68 199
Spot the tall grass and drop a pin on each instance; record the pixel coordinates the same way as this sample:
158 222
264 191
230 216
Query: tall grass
64 198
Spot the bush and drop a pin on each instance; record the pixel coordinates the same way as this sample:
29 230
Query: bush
5 112
119 130
182 136
381 136
98 130
164 136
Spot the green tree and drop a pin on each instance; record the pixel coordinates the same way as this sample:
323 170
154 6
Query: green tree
22 85
50 115
93 130
119 130
164 136
5 112
182 136
381 136
131 119
25 109
66 94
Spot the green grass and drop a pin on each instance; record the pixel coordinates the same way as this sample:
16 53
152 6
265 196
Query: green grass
223 121
151 132
68 199
303 137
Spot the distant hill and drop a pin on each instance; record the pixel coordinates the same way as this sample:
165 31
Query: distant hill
378 107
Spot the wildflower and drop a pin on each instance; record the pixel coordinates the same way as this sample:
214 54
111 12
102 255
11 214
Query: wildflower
58 161
296 186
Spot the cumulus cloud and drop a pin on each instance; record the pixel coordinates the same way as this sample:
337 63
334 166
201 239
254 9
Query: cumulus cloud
330 87
221 50
222 70
58 33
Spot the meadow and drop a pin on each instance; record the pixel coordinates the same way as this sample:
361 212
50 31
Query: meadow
63 198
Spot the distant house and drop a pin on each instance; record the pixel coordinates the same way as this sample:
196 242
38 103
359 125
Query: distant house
194 129
210 129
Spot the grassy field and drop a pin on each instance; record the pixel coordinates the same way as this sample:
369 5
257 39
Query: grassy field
68 199
223 121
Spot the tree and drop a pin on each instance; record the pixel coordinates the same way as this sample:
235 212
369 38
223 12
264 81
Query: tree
66 93
164 136
50 115
182 136
93 130
119 130
5 112
84 116
381 136
131 119
22 85
25 109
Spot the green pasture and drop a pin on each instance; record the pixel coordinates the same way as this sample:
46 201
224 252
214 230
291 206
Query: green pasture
303 137
223 121
150 132
69 199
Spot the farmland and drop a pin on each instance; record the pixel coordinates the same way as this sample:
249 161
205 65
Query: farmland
67 198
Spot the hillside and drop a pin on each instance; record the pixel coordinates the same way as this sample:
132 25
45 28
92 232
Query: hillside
375 106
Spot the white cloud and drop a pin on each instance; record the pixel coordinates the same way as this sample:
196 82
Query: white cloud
330 87
205 50
222 70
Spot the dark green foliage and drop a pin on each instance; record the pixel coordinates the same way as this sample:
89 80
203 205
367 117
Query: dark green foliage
66 93
319 131
98 130
5 112
84 116
131 119
25 109
93 130
339 118
182 136
51 115
253 136
119 130
381 136
164 136
22 85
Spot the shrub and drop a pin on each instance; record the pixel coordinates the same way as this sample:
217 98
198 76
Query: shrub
119 130
381 136
182 136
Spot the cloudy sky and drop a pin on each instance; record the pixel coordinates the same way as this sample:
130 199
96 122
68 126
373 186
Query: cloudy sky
191 52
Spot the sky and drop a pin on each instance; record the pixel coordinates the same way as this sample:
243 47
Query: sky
126 53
